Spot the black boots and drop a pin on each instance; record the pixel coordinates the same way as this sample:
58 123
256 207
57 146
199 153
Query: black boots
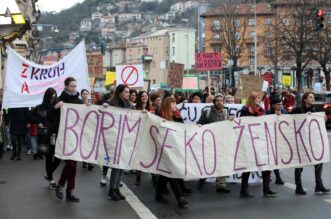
320 188
269 193
70 197
200 184
299 190
115 194
181 202
246 194
279 180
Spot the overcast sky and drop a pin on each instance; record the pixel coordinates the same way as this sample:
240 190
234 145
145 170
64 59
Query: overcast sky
56 5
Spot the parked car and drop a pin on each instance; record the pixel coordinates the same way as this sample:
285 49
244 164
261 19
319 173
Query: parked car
323 103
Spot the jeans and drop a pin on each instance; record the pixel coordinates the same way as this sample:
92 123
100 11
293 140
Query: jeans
33 143
115 178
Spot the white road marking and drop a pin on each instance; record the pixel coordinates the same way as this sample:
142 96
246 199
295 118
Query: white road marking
142 211
328 200
290 185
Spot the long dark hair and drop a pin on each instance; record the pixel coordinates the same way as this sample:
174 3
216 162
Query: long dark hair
116 99
48 99
139 105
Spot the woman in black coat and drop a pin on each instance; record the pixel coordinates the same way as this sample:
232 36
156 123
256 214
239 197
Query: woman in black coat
69 95
42 116
307 107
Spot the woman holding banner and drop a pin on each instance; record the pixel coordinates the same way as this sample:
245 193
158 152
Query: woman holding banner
307 107
121 98
169 112
253 108
69 95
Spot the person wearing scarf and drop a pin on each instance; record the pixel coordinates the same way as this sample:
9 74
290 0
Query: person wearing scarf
253 108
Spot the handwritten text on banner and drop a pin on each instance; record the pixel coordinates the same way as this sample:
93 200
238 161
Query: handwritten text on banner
129 139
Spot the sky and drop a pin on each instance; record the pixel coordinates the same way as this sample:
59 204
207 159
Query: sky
56 5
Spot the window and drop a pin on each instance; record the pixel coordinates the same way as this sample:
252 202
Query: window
251 34
216 36
173 37
237 23
251 22
286 48
252 48
268 50
173 51
329 21
237 36
268 34
154 81
286 21
216 25
237 49
268 21
251 61
217 49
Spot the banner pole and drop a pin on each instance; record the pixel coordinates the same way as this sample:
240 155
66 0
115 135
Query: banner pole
209 84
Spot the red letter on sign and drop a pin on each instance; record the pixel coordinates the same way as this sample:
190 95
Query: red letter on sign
25 87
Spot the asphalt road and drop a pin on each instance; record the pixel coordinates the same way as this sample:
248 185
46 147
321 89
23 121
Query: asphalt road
25 194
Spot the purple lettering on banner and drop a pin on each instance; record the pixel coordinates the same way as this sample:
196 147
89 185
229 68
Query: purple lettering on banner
241 127
268 138
203 152
54 70
43 73
253 144
136 124
71 128
311 146
188 144
95 135
288 143
298 132
101 132
34 73
163 146
117 140
155 145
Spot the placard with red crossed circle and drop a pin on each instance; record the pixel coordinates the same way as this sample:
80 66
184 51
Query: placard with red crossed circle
131 75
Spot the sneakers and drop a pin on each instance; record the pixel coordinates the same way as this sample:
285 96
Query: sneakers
103 181
52 185
9 147
59 192
29 152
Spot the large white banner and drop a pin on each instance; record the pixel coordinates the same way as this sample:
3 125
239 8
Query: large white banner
129 139
26 81
191 112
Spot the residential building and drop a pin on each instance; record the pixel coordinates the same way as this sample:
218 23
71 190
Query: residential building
161 47
183 6
96 15
85 25
129 17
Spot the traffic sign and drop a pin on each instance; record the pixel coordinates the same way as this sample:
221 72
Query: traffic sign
130 75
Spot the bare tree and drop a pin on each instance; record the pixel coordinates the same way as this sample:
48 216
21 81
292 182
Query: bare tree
274 49
298 34
229 32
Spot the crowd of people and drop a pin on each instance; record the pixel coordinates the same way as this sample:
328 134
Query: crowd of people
37 128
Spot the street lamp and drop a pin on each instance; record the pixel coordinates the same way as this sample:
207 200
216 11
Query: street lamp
187 69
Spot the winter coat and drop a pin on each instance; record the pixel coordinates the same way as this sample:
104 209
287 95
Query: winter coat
212 117
18 119
55 114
